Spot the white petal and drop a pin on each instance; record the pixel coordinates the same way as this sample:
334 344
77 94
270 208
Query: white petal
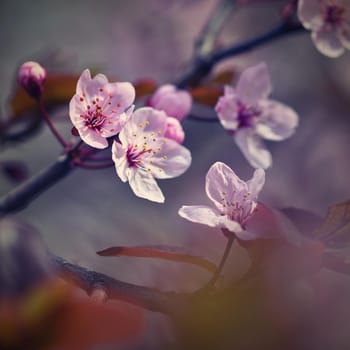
277 122
232 226
120 161
200 214
310 13
226 108
328 42
220 180
93 138
253 149
122 96
173 160
256 183
254 84
144 185
84 80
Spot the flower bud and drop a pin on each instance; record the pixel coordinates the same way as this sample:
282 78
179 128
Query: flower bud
174 102
31 76
174 130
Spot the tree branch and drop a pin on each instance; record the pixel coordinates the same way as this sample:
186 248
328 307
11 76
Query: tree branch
149 298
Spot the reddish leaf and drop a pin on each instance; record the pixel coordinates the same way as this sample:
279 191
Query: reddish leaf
206 95
58 89
335 229
160 252
145 87
223 78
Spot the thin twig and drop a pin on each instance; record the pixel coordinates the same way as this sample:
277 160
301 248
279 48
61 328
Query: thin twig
48 121
91 166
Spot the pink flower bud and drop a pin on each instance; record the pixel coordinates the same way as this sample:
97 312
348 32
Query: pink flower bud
174 102
174 130
32 77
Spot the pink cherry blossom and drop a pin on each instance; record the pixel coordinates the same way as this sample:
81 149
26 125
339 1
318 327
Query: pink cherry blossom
144 153
100 109
174 130
174 102
234 200
329 21
247 113
31 76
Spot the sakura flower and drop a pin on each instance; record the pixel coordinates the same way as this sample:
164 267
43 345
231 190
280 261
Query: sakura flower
144 154
174 130
174 102
247 113
99 109
31 76
234 200
329 21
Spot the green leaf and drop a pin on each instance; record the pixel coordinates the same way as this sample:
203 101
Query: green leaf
160 252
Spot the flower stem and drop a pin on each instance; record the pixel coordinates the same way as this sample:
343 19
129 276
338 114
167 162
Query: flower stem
85 165
48 121
230 240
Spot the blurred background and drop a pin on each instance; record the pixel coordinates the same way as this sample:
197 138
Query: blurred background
92 210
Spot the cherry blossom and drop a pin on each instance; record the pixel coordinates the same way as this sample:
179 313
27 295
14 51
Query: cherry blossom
144 153
248 114
234 200
100 109
329 21
31 76
174 130
174 102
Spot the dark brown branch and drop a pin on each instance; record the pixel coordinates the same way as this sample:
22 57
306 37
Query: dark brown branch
149 298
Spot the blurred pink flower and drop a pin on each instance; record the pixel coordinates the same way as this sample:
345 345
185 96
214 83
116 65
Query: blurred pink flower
31 76
174 130
247 112
174 102
329 21
144 153
99 109
234 200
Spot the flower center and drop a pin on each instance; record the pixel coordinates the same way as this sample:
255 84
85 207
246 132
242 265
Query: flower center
334 14
95 119
239 207
247 115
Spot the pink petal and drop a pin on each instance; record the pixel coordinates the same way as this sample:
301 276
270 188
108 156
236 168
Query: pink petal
256 183
277 122
142 117
328 42
157 96
254 84
92 138
226 108
83 81
114 125
144 185
253 149
174 130
200 214
121 96
221 178
310 13
172 161
120 161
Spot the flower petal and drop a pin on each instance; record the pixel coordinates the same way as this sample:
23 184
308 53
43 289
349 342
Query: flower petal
226 108
256 183
232 226
253 149
328 42
222 179
171 161
121 96
277 122
92 138
83 81
144 185
310 13
200 214
120 161
254 84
